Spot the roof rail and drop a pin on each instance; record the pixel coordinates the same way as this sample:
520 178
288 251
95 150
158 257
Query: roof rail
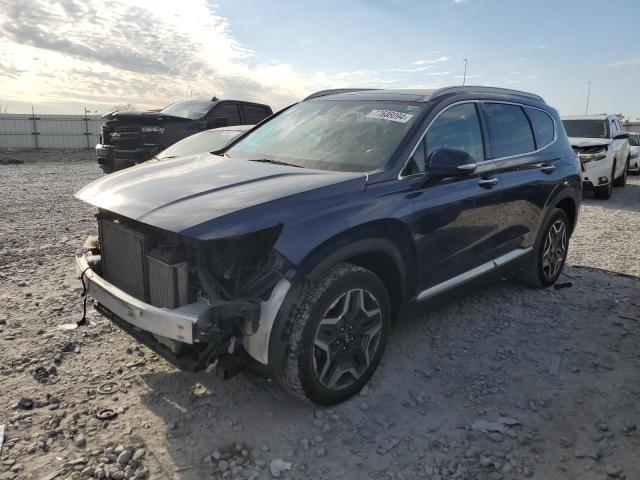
478 89
335 91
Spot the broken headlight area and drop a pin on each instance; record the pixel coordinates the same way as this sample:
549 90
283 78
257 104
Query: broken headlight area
225 280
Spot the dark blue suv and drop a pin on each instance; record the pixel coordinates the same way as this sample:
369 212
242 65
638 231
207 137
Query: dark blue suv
296 248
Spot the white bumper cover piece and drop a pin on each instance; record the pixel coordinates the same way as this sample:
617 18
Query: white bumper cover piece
177 324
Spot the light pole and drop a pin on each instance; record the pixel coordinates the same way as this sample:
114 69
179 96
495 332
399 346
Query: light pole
464 78
586 111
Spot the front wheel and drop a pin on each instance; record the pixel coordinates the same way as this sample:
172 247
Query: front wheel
603 192
108 167
621 181
549 253
338 336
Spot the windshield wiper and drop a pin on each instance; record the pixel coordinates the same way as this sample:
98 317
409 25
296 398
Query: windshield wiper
275 162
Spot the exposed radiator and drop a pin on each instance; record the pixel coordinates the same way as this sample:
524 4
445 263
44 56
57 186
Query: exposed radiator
167 283
159 276
123 258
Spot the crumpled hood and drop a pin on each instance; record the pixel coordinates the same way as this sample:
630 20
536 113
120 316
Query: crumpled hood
180 194
588 142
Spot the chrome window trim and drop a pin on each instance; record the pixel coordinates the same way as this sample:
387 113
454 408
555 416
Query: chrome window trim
492 160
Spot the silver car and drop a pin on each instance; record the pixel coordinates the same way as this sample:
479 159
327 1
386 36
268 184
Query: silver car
201 142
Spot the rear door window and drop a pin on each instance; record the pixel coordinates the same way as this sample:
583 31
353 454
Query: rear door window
509 129
229 111
543 126
255 114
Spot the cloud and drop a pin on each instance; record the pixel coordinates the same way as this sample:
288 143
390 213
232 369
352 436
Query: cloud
431 61
625 62
77 53
150 53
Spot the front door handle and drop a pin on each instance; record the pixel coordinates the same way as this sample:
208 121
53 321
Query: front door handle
488 182
548 168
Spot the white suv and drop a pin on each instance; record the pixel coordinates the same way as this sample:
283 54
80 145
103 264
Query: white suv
603 148
634 157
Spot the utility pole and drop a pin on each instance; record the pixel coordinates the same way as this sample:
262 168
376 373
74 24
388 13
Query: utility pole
586 111
464 78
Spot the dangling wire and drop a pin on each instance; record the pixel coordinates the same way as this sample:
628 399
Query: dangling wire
83 320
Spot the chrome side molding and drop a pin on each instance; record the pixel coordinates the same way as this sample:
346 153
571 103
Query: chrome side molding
471 274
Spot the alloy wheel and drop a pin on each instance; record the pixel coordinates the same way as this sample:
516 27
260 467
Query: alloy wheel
555 249
347 339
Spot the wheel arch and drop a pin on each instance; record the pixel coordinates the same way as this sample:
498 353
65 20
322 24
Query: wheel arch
567 198
385 248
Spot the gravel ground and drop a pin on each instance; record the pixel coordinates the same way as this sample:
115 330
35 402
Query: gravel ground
502 382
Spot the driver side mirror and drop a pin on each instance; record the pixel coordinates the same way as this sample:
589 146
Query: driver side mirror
621 136
217 122
448 162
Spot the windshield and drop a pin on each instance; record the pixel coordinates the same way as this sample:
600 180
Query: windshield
587 128
192 109
634 140
208 141
344 135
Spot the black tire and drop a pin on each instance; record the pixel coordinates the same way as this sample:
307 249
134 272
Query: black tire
108 167
604 192
535 274
621 181
300 370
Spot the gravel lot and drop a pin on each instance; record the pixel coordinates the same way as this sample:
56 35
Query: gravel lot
503 382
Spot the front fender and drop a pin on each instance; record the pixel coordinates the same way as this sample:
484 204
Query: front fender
388 237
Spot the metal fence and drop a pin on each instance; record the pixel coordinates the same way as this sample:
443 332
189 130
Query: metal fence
49 131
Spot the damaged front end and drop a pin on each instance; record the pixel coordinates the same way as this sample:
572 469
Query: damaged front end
198 303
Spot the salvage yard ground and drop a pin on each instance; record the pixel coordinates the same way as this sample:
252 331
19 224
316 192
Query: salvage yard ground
501 382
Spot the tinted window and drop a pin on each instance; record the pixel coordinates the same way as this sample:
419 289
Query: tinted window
542 126
509 130
416 163
586 128
634 140
253 114
458 128
229 111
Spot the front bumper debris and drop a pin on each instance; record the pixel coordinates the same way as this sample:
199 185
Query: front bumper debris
176 324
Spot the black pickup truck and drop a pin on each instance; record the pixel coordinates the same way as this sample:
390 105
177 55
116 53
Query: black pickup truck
131 137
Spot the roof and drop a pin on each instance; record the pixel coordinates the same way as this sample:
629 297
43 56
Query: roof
586 117
418 95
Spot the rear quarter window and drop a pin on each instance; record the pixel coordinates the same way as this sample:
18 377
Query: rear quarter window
509 129
543 126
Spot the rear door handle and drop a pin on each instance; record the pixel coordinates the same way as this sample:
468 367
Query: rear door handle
488 182
548 168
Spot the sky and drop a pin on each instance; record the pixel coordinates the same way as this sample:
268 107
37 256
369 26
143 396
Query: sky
62 56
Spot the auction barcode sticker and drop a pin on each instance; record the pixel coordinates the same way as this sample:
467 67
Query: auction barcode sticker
390 115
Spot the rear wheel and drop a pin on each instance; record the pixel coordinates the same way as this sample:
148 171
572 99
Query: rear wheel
550 252
338 336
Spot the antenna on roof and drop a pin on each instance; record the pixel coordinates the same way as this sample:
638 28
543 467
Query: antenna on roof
214 99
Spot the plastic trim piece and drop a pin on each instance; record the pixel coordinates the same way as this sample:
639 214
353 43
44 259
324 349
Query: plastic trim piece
471 274
177 324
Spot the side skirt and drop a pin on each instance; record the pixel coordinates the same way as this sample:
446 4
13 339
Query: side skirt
471 274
